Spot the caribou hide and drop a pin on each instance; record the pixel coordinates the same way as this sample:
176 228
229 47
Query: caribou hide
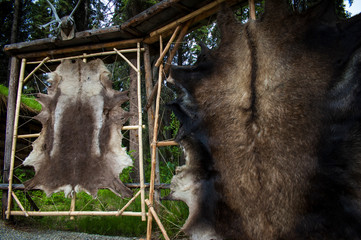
271 128
79 147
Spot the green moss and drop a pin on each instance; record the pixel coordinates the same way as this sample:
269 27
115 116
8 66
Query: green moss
29 101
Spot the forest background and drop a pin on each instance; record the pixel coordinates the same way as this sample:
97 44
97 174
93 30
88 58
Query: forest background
21 21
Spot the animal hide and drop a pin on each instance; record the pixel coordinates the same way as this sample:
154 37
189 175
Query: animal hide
79 147
271 128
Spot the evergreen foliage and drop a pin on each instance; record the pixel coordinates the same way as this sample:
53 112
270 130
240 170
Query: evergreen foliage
96 14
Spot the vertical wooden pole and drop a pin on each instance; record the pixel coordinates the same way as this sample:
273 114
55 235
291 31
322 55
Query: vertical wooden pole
252 9
15 133
10 116
72 204
156 200
140 135
154 144
151 111
156 218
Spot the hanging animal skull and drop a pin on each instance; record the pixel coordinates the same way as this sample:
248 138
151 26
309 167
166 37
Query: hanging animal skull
271 128
66 24
79 147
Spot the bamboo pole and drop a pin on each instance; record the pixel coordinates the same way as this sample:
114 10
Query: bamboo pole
35 135
75 213
140 136
160 225
166 143
19 204
128 203
126 59
164 52
35 69
154 146
186 18
90 55
176 46
16 123
85 60
72 204
252 9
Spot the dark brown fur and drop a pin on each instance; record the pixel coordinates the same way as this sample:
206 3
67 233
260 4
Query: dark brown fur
80 115
278 105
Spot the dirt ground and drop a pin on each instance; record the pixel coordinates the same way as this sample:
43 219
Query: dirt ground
10 231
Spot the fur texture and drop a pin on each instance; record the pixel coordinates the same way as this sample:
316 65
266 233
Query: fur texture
79 147
271 126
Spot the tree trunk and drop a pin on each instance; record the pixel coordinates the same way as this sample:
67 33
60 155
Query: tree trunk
149 88
10 116
15 28
133 108
13 76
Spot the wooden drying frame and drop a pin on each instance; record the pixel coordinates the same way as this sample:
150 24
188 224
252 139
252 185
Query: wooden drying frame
15 136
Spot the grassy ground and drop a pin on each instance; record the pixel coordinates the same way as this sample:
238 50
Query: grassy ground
172 214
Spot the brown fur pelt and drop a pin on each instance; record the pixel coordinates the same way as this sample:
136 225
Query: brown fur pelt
79 147
271 128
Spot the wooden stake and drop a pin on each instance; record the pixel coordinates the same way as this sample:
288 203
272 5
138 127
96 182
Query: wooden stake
166 143
252 9
160 225
154 147
126 59
33 135
164 52
35 69
72 204
19 204
128 203
140 135
16 123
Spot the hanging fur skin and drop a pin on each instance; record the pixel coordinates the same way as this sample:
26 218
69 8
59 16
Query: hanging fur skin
271 128
79 147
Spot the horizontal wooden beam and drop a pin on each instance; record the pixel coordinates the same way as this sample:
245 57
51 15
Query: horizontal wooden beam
75 213
166 143
145 15
131 50
35 135
83 48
